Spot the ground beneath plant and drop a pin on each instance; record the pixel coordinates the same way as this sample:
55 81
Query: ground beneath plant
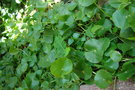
119 85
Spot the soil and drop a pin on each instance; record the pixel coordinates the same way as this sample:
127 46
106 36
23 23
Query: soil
119 85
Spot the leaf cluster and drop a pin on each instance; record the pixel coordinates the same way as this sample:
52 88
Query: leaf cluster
61 46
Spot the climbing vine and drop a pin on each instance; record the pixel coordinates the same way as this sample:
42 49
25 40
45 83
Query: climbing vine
46 45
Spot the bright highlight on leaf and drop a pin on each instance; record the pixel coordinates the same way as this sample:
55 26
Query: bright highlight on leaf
115 56
18 1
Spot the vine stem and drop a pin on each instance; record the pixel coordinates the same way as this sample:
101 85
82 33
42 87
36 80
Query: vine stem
114 84
101 9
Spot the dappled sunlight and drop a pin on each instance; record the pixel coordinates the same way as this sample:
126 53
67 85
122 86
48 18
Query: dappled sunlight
62 44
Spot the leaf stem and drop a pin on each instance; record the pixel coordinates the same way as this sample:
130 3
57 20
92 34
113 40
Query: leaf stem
94 73
101 9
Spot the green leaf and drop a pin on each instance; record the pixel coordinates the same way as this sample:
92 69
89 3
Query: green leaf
115 3
111 65
33 60
108 9
46 47
74 77
95 28
96 49
70 21
131 21
93 56
83 70
13 50
87 72
115 56
75 87
70 41
45 85
124 47
86 3
119 3
131 38
76 35
12 82
72 5
128 70
48 36
62 10
46 60
103 79
61 67
90 11
119 18
99 45
88 32
59 47
21 68
41 4
127 33
92 31
107 24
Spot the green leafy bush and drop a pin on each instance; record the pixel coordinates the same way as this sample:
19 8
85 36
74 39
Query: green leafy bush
46 46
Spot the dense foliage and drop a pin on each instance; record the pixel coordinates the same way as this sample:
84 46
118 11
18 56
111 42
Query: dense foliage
61 46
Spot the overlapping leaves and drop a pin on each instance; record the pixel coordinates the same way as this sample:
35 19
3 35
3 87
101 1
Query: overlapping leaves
46 46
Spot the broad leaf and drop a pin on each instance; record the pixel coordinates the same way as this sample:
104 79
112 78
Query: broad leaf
86 3
131 21
59 47
87 72
99 45
124 47
103 79
119 18
46 60
128 70
61 67
127 33
93 56
115 56
21 68
111 65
